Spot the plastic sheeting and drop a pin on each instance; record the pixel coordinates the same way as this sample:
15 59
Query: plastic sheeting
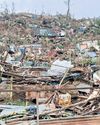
96 76
59 67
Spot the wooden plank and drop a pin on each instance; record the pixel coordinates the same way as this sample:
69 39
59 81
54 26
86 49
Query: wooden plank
79 121
93 120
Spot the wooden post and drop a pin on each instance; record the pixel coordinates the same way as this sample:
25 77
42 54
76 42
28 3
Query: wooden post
26 103
63 77
11 86
37 103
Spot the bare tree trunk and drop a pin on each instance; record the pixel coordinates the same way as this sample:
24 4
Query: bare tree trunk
68 11
67 2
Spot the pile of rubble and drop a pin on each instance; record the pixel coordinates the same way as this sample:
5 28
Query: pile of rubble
48 55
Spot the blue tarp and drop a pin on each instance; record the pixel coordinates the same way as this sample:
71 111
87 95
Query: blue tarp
91 54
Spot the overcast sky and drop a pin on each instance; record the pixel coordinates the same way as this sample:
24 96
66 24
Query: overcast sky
79 8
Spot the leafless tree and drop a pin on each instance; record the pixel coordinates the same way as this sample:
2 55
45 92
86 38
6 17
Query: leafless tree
13 7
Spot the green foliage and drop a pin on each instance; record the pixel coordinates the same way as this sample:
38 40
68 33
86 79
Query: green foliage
97 21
